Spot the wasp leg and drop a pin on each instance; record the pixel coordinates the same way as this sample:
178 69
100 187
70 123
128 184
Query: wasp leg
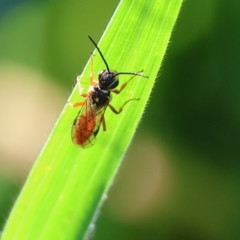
78 104
103 123
121 108
92 81
126 83
80 89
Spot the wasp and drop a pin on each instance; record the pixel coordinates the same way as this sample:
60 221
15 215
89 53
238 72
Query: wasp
87 123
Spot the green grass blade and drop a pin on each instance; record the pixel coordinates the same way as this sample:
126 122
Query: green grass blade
67 185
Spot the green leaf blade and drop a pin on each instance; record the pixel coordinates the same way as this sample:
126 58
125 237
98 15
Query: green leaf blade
68 184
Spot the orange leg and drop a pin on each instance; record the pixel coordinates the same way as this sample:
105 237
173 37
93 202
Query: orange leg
125 84
92 81
78 104
80 89
104 123
121 108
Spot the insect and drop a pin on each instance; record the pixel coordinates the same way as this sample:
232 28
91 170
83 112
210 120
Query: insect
91 115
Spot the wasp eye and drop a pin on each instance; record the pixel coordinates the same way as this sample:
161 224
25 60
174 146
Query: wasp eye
100 75
108 80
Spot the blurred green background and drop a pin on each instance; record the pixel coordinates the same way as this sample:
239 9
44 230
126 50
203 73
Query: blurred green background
180 178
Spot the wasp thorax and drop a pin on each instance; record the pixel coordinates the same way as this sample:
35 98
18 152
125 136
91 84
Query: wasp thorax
108 80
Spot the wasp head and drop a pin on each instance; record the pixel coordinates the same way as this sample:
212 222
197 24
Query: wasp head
108 80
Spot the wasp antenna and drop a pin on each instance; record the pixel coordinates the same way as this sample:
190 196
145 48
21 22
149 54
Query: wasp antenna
131 73
99 53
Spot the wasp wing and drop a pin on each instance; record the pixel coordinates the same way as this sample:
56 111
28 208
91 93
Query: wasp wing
87 123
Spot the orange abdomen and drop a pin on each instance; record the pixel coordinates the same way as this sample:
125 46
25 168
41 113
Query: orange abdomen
83 129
